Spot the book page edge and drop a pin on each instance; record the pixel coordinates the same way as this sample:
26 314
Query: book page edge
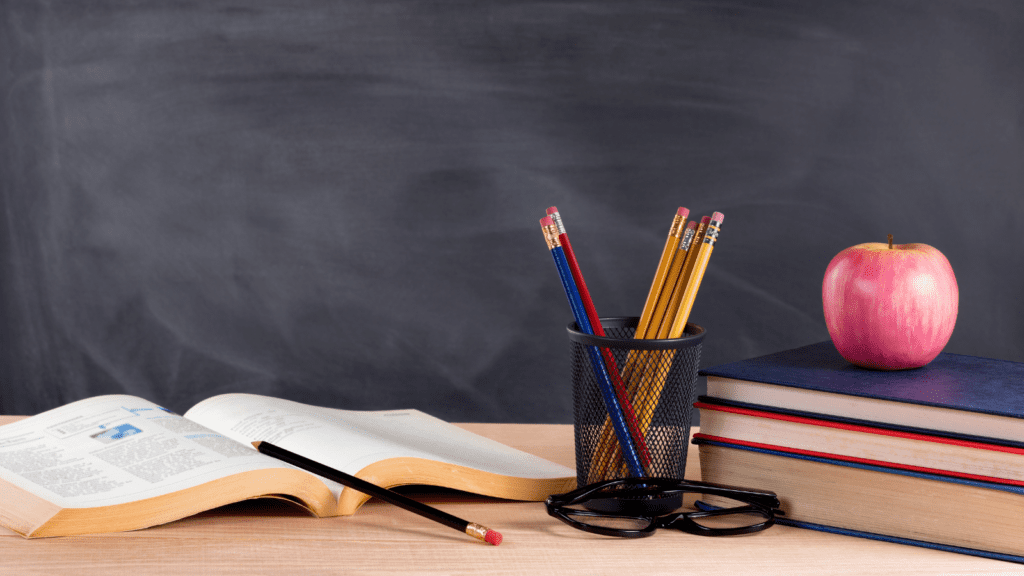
407 471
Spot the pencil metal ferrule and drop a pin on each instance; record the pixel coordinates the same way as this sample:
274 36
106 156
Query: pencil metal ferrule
687 240
557 219
477 531
551 236
711 235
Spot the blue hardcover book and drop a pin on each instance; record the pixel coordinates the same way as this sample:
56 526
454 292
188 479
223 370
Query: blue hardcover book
876 502
956 395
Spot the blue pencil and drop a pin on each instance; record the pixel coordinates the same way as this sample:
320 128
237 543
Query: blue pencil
603 380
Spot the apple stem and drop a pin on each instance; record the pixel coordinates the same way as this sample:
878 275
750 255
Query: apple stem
890 241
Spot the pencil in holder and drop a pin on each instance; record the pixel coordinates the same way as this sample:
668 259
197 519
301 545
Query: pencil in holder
659 377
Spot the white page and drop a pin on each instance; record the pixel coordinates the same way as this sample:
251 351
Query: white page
351 440
115 449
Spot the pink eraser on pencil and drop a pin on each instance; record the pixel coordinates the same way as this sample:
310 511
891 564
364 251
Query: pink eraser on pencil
493 537
684 212
692 225
718 217
552 210
546 221
705 220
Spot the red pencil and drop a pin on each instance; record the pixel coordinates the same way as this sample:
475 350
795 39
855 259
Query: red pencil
595 323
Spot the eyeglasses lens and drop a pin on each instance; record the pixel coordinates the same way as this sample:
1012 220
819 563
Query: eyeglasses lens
723 514
601 520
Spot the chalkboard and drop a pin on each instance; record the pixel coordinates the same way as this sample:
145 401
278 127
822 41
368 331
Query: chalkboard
337 202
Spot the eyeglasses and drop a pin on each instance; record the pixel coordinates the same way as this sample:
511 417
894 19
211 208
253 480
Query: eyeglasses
728 510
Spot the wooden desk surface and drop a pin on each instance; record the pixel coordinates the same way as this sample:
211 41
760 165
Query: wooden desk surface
268 537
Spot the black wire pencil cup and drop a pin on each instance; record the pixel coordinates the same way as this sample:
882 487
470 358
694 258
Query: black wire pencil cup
660 381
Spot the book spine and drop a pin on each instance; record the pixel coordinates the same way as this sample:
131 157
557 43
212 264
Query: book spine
874 501
900 540
899 427
855 460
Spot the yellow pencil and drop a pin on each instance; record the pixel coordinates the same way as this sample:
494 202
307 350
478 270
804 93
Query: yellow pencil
647 394
640 384
673 258
675 233
693 283
654 315
664 308
676 294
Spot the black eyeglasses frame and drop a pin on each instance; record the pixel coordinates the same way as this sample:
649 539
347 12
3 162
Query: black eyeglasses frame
762 502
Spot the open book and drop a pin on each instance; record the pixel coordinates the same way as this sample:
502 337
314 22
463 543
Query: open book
115 463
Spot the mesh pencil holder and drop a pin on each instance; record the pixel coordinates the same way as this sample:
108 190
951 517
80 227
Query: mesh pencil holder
658 378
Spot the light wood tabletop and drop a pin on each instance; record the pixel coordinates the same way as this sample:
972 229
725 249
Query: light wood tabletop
272 537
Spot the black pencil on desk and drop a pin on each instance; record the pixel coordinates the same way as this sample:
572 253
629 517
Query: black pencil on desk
473 529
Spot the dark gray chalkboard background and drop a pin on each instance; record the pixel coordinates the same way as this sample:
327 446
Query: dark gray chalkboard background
337 201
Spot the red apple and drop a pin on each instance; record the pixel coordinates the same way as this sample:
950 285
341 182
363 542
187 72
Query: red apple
890 307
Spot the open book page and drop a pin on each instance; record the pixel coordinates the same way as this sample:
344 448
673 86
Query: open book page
351 440
116 449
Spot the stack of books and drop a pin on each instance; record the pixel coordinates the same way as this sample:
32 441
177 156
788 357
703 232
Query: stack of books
931 457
